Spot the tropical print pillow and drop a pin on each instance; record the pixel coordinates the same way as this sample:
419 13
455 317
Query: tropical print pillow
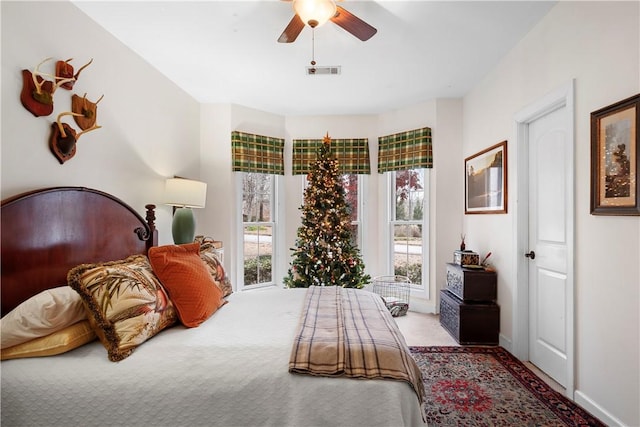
211 258
126 304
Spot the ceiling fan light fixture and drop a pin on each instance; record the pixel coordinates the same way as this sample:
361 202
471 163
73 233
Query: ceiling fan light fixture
314 12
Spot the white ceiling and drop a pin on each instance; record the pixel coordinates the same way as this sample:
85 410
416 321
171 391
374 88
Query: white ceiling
227 51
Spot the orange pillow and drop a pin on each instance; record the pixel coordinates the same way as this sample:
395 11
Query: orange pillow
188 282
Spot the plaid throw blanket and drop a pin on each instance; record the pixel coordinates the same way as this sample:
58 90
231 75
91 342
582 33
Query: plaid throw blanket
350 332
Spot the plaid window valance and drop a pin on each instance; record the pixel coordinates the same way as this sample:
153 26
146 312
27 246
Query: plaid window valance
256 153
405 150
352 155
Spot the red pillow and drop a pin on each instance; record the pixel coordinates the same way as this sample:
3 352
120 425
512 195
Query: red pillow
188 282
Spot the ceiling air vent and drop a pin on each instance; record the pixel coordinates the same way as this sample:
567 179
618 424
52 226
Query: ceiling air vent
319 70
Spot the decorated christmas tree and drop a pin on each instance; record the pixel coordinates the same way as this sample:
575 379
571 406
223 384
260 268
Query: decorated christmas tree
325 254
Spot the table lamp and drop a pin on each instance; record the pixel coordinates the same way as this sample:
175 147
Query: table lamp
184 194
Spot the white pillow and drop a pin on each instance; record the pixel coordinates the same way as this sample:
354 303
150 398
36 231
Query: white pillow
41 315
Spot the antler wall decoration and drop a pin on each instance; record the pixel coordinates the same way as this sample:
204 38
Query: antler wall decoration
37 93
37 97
63 137
87 111
65 70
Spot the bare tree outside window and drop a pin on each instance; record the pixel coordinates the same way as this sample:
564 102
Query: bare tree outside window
256 197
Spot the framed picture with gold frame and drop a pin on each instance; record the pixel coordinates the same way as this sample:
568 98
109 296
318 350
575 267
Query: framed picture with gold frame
485 181
614 158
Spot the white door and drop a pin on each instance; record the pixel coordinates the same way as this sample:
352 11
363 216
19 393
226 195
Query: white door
550 145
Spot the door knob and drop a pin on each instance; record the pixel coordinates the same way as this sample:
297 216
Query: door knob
531 255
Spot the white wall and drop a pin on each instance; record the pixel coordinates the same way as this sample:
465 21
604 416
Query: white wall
448 191
149 126
597 44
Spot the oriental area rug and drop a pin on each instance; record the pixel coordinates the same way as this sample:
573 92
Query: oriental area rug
487 386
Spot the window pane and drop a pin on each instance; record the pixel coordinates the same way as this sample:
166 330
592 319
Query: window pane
407 253
258 254
256 197
409 194
350 184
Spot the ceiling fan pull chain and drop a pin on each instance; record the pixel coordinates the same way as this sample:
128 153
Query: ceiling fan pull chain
313 50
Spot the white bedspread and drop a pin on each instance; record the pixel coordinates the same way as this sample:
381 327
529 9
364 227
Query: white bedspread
230 371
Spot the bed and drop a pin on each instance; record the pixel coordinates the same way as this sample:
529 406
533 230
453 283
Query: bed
230 370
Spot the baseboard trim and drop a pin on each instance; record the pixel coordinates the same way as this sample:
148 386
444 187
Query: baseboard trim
505 343
422 305
590 405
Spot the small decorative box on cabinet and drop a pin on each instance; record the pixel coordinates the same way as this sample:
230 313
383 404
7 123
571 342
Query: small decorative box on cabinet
467 306
466 258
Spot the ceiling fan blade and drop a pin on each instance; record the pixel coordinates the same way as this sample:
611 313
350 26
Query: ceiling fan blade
353 24
290 34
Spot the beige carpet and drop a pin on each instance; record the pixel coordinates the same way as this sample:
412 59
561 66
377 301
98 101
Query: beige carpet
421 329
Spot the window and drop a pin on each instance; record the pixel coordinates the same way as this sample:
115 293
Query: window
351 184
409 225
259 228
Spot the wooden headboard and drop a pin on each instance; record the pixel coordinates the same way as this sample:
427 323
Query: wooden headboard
47 232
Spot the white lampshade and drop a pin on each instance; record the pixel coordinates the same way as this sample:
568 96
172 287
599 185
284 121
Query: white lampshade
314 12
185 193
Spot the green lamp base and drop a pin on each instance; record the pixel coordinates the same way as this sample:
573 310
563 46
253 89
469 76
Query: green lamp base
183 227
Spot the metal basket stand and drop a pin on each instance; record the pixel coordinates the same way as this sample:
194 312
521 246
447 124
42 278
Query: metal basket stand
395 292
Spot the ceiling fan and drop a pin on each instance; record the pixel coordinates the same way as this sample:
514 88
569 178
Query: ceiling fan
316 12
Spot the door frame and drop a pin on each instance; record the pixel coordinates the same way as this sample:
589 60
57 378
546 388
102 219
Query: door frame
561 97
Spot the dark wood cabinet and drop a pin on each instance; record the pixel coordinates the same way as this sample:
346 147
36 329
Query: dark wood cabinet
468 310
471 284
469 323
